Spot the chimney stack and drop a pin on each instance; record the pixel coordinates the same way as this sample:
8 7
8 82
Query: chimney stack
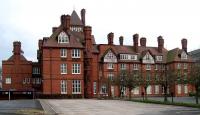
143 41
40 43
17 48
110 38
83 16
65 21
160 44
184 44
121 39
135 40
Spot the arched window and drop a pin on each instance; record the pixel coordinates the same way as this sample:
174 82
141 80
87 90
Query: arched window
63 38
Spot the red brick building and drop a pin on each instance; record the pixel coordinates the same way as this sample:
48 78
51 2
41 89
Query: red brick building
71 63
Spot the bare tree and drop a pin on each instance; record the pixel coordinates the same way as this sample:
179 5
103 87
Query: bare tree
195 79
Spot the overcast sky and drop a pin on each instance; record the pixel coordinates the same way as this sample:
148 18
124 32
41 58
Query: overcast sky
29 20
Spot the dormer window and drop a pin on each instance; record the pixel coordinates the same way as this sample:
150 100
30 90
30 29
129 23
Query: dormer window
63 38
159 58
184 55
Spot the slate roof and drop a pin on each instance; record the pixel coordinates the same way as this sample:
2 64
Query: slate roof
75 20
168 56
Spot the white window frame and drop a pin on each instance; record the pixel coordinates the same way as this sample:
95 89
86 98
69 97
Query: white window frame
63 38
76 87
76 68
36 70
8 80
149 89
157 89
63 53
103 89
179 89
63 86
94 87
186 89
135 66
159 58
185 66
178 65
156 66
37 80
110 66
148 66
76 53
110 76
123 66
63 68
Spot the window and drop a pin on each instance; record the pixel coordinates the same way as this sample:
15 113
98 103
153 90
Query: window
136 90
179 88
156 89
75 53
159 58
185 66
163 67
36 70
135 66
103 89
63 53
123 91
128 57
63 87
178 66
76 68
156 67
110 66
63 68
94 87
148 76
185 76
149 90
8 80
28 80
76 87
185 89
24 81
156 77
110 76
148 67
38 80
122 66
110 57
63 38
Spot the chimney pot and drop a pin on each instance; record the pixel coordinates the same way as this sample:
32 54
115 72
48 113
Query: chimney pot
160 43
135 42
143 41
184 44
17 48
121 40
83 16
110 38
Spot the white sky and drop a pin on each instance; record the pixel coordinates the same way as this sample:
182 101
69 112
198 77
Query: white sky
29 20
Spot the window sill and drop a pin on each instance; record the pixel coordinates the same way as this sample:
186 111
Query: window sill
76 73
76 92
63 73
76 57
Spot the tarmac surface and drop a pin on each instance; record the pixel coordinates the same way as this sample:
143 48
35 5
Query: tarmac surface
13 106
112 107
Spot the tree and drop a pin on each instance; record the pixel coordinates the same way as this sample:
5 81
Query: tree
166 79
195 79
145 82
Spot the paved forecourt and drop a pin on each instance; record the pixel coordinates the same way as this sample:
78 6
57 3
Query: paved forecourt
112 107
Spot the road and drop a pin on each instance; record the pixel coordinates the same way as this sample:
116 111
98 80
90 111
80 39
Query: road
112 107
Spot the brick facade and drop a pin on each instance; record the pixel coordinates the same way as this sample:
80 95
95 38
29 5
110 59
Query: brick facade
71 63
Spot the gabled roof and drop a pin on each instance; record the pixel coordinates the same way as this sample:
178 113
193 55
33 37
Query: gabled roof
22 58
75 20
175 55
